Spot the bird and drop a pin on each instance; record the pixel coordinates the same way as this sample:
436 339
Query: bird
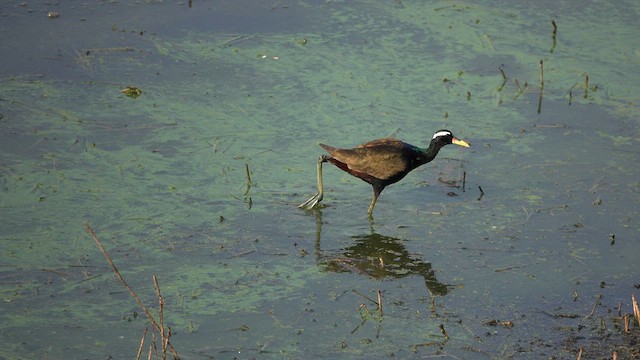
380 162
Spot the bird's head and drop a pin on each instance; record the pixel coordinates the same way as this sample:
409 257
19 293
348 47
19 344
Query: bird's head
445 137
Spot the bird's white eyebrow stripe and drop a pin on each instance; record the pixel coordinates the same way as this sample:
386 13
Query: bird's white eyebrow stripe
441 133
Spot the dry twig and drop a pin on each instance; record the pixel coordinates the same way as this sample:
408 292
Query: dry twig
164 334
636 310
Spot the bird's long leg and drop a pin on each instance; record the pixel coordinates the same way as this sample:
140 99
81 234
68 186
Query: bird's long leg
376 193
315 199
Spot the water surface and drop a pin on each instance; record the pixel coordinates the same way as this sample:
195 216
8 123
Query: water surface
535 257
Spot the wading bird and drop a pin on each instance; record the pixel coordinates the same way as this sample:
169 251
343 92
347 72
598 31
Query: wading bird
381 162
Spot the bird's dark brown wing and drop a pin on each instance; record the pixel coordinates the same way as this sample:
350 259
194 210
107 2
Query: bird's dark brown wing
382 158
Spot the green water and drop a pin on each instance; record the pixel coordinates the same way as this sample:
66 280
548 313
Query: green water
550 244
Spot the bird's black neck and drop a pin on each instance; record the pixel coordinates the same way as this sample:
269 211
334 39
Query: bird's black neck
430 152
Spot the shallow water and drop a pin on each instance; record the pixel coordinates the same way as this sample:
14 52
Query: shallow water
550 243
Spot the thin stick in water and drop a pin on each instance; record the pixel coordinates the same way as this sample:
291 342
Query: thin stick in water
160 329
570 97
443 331
626 323
141 343
504 79
586 85
464 180
636 309
115 270
555 31
248 175
163 337
540 100
504 76
380 301
593 310
541 87
515 81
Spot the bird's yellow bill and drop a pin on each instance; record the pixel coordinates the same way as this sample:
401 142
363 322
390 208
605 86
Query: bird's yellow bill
460 142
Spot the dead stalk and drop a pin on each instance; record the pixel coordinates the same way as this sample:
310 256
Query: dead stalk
464 180
593 310
541 87
141 343
248 175
504 76
115 270
555 31
636 310
164 334
504 80
163 337
517 83
586 85
380 301
443 331
248 178
626 323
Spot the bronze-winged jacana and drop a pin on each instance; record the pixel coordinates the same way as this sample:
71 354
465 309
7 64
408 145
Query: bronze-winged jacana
381 162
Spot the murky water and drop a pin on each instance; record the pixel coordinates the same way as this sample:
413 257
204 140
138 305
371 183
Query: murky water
533 258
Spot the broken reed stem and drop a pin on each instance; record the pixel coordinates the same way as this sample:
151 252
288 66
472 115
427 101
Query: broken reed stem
626 323
142 343
115 270
586 85
163 338
571 93
504 80
246 167
541 87
165 345
464 180
504 76
518 85
580 354
570 97
160 329
555 31
636 309
593 310
540 100
380 301
248 175
153 347
443 331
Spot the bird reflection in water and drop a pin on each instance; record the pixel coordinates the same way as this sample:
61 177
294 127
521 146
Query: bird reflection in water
378 256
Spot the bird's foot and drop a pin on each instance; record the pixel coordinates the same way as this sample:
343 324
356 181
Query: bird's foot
312 202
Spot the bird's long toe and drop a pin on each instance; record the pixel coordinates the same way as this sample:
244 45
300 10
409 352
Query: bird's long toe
312 202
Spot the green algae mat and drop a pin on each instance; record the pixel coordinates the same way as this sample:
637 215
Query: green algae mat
185 135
